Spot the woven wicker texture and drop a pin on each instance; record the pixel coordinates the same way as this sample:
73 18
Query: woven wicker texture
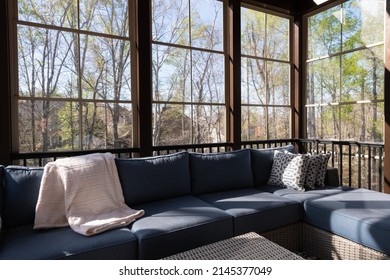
250 246
328 246
289 237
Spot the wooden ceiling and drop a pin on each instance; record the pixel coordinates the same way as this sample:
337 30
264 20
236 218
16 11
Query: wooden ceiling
296 7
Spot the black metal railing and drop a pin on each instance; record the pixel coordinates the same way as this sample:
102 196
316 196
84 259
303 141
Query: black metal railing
263 144
359 164
41 158
199 148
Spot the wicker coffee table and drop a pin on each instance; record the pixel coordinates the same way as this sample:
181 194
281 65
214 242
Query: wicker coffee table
250 246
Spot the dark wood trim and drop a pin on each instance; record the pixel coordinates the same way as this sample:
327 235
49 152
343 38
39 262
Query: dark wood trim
304 7
144 92
5 90
296 93
386 187
279 6
296 7
234 54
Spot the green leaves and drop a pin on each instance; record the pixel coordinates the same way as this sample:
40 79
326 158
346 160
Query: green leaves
345 72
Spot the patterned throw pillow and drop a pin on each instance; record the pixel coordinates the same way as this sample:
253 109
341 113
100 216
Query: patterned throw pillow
289 170
314 165
316 171
321 173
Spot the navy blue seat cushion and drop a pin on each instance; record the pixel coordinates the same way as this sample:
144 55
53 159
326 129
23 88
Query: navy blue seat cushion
21 192
359 215
306 195
154 178
254 210
262 160
220 171
25 243
178 224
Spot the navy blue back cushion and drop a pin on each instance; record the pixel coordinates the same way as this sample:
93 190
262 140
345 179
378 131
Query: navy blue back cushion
154 178
20 195
262 160
220 171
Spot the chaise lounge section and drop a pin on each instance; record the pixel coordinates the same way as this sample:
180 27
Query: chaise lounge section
360 215
193 199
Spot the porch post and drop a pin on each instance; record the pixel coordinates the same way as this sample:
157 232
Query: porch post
386 187
144 98
233 96
5 92
297 89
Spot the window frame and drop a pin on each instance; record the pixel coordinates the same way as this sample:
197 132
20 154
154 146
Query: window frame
132 101
339 54
232 135
193 103
290 62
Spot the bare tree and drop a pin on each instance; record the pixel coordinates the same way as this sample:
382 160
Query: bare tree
43 54
265 37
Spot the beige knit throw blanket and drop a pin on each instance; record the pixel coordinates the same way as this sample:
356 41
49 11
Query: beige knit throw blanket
83 192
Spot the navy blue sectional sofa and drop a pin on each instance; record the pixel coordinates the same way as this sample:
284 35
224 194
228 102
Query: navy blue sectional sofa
190 199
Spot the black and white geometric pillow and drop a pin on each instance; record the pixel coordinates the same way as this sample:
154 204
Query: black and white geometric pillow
321 173
289 170
315 165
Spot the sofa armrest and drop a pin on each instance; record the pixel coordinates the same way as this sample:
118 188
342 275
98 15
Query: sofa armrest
332 177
